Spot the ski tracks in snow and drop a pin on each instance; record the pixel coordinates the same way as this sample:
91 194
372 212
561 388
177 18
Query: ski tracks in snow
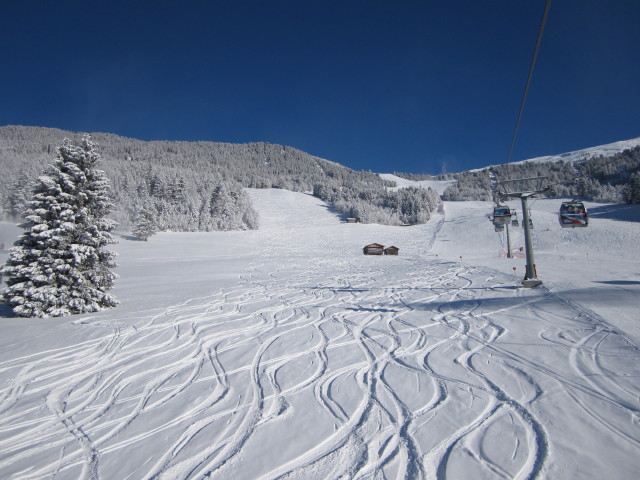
350 368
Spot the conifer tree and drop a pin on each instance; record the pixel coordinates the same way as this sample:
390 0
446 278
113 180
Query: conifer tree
59 265
631 191
144 224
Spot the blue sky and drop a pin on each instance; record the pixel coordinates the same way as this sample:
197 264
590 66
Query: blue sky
415 86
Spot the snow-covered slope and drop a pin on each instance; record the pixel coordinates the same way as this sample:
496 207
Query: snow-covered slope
607 150
587 153
438 185
285 352
576 156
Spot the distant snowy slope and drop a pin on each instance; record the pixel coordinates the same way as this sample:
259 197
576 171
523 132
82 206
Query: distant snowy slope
580 155
587 153
286 210
437 185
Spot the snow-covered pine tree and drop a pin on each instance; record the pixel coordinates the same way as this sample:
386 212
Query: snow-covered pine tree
144 224
631 191
59 266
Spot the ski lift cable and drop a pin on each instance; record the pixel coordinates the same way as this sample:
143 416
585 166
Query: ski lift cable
526 91
531 67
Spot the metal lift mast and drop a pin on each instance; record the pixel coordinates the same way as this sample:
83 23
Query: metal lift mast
531 277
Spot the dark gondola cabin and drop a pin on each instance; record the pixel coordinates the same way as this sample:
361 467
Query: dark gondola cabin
573 214
501 215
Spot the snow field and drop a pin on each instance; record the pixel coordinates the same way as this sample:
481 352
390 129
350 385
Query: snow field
285 352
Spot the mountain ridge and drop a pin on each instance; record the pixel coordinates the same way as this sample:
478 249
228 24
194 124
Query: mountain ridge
197 185
586 153
182 182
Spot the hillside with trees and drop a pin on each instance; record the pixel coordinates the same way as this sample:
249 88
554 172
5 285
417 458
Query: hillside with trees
406 206
600 179
198 186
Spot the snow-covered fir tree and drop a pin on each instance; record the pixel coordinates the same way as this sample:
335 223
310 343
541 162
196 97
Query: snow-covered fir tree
144 224
631 192
59 265
231 209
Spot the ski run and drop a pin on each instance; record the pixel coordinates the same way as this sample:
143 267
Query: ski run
287 353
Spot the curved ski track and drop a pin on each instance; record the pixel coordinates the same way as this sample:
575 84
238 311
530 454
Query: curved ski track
344 369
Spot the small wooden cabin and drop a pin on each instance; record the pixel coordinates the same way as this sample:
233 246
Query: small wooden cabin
391 250
352 220
373 249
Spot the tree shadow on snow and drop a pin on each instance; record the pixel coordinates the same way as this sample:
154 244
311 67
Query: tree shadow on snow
622 213
405 289
126 236
619 282
372 309
333 210
6 311
595 295
330 208
496 303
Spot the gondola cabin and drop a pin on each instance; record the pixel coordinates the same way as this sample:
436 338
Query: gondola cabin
573 214
501 215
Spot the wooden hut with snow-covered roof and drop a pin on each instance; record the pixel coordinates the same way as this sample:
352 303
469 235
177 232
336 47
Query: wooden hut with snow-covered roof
373 249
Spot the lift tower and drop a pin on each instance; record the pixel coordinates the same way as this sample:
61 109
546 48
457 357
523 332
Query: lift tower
531 277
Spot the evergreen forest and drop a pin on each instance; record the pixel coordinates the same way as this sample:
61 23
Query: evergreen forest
198 186
192 186
607 179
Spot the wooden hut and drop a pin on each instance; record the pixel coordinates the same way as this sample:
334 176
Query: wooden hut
373 249
391 250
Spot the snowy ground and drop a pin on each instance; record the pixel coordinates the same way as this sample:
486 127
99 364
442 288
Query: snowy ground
285 352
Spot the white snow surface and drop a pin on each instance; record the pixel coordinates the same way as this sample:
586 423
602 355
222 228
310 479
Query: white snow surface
607 150
287 353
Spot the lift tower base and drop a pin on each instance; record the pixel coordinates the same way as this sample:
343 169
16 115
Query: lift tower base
531 282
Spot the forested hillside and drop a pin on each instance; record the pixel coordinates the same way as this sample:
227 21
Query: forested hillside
600 178
197 186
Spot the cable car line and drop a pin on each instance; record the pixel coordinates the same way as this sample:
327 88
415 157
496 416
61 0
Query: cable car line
531 67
